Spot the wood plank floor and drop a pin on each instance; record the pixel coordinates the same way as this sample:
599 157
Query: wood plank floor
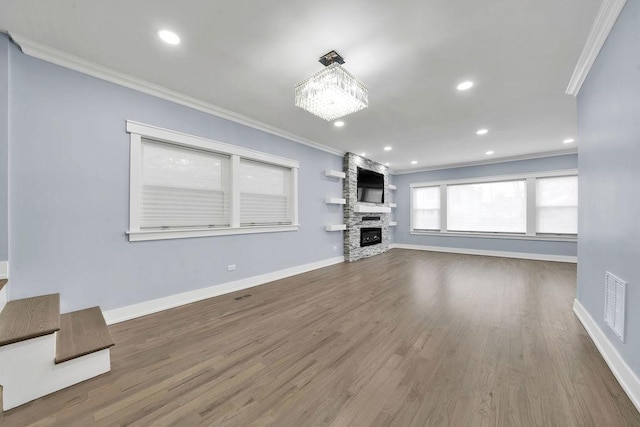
406 338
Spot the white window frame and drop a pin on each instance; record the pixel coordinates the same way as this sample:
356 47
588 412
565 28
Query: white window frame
139 131
530 182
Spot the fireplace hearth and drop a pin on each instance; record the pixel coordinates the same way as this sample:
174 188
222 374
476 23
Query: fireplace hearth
370 236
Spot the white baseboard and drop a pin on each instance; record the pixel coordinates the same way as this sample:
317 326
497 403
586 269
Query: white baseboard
625 376
504 254
4 269
121 314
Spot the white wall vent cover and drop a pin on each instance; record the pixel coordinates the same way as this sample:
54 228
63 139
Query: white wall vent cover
614 303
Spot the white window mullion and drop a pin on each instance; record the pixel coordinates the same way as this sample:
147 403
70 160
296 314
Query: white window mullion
531 206
235 191
294 196
135 182
443 208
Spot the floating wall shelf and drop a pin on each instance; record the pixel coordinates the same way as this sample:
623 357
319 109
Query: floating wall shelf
393 224
335 200
336 227
373 209
335 174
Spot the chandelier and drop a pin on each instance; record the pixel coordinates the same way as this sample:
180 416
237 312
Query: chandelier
332 92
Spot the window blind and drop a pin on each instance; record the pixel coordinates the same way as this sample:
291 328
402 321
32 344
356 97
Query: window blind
487 207
557 205
265 194
183 187
426 208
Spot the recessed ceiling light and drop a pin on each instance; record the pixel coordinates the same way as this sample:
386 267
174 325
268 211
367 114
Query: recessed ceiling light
490 152
482 132
386 164
387 148
568 141
363 154
414 162
465 85
339 123
169 37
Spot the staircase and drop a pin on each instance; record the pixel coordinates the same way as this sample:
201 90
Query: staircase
42 351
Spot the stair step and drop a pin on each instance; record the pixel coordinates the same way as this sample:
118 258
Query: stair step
2 283
82 332
28 318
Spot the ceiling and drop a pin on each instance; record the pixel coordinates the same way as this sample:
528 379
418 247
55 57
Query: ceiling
246 56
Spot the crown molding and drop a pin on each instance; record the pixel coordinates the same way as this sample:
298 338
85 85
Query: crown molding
487 162
72 62
604 22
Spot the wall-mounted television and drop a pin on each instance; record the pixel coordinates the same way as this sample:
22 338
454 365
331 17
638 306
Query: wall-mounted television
370 186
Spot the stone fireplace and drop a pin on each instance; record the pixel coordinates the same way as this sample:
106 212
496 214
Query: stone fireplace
367 232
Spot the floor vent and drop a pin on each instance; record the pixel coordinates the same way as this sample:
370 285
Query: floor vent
614 303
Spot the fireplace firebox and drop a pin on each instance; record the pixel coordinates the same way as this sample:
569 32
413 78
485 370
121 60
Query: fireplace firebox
370 236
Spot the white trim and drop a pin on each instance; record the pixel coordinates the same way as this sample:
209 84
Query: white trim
4 269
487 162
234 215
142 235
503 254
497 178
3 297
335 174
4 292
531 205
602 25
372 209
148 307
335 200
542 237
623 373
55 56
294 196
336 227
193 141
135 180
139 131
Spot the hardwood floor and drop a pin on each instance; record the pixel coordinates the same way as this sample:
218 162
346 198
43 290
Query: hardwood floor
406 338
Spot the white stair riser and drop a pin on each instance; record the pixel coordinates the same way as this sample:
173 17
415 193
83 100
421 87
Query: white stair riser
3 297
28 370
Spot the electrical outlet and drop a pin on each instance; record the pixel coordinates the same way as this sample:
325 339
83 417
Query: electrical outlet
231 267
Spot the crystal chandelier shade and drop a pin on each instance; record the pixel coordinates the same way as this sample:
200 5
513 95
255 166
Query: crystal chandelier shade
332 93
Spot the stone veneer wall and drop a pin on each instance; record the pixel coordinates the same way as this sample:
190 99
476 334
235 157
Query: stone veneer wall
353 220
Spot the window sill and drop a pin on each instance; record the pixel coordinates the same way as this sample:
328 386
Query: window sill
138 236
547 238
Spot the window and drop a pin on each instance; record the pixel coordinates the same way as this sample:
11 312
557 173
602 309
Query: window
265 194
186 186
183 187
557 205
493 207
426 208
537 206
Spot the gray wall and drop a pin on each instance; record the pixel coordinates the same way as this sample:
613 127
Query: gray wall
4 147
609 132
402 214
69 196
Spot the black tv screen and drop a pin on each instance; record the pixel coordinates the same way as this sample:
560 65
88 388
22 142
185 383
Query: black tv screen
370 186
